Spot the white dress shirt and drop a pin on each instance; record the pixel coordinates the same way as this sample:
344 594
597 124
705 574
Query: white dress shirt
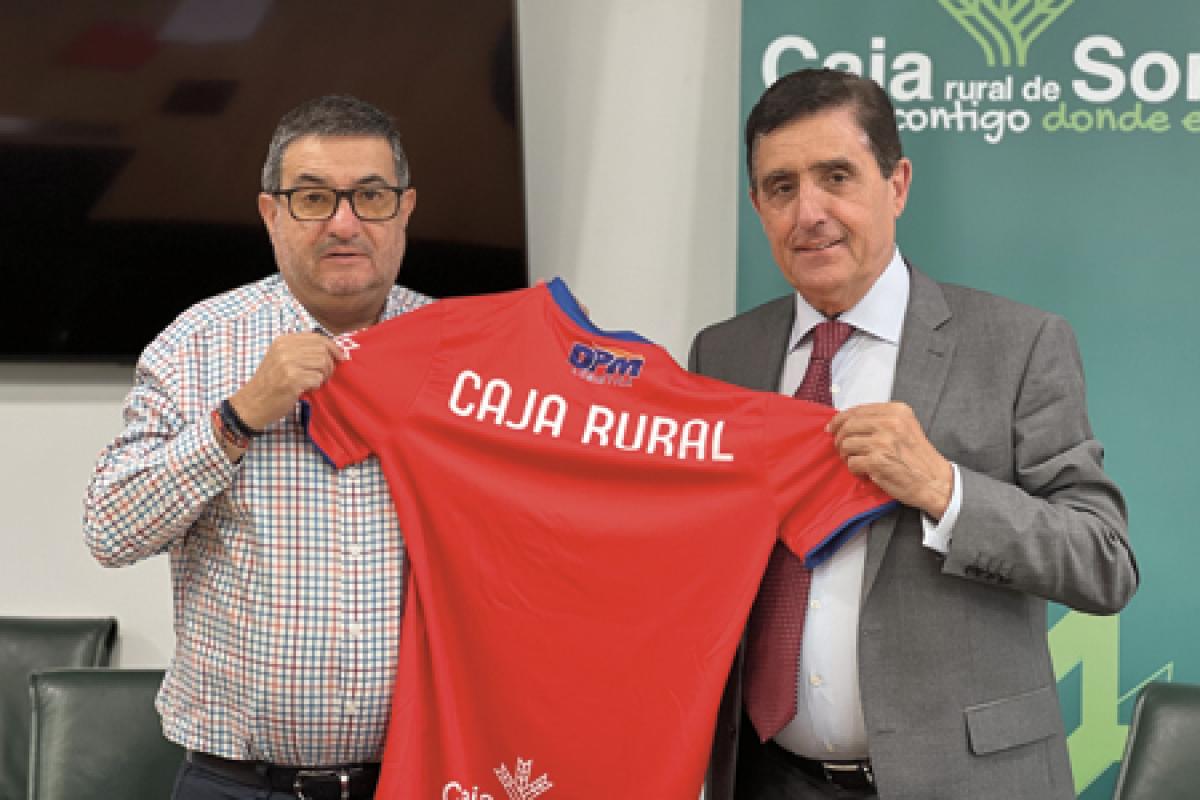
829 718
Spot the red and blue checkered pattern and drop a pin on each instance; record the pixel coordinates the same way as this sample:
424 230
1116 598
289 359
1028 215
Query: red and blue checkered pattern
287 574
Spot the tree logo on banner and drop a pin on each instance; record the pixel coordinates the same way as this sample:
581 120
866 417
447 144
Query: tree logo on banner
1005 27
1092 645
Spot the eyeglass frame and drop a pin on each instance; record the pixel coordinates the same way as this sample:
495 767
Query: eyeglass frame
338 194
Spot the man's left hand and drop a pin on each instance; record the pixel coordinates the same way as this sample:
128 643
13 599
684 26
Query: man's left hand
885 442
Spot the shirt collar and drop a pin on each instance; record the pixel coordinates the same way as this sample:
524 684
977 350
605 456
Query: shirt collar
394 305
879 313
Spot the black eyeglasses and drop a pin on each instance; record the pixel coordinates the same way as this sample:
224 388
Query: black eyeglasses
318 203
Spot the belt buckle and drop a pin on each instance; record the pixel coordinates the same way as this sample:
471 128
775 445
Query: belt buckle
342 775
832 769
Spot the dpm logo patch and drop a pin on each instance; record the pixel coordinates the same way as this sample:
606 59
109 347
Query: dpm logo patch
597 364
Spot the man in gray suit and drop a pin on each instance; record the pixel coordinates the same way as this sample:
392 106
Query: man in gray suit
923 671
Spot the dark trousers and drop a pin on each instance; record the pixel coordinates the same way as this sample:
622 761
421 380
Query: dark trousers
763 774
204 777
197 783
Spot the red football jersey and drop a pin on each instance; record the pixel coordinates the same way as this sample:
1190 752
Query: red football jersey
587 525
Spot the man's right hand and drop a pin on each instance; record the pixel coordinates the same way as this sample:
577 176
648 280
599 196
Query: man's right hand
294 364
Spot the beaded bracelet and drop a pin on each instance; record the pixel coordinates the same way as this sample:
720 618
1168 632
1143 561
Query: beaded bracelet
227 434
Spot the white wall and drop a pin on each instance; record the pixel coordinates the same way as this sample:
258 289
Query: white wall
53 421
631 125
630 122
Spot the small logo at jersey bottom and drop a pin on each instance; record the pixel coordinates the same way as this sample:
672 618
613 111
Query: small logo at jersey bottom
347 342
456 791
597 364
517 787
520 787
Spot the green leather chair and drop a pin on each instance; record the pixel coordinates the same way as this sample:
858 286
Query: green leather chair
28 644
97 736
1162 753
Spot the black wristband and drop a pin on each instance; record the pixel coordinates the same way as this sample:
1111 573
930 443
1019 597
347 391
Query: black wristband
232 421
226 434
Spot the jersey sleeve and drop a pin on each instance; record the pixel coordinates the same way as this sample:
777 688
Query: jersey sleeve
366 397
821 504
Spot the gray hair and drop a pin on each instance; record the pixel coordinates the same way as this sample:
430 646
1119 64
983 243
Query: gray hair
331 115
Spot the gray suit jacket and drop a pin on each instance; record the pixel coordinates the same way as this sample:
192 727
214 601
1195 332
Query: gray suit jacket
957 686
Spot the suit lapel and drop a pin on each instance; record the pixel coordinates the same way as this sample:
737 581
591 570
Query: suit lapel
764 367
921 369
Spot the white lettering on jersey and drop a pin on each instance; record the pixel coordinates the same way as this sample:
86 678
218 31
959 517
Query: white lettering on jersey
686 440
595 426
692 440
538 414
456 791
459 382
663 431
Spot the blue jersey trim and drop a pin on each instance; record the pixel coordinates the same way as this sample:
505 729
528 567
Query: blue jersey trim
570 306
305 419
829 545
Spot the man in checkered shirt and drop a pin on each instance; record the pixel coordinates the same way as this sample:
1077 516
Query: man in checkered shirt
287 574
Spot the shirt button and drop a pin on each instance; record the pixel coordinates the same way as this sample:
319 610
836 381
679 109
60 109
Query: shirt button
835 388
351 707
815 605
355 551
356 630
815 679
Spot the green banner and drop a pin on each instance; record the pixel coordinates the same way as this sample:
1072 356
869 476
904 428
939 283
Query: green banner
1056 152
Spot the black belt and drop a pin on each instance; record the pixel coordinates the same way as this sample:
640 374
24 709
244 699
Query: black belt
855 776
344 782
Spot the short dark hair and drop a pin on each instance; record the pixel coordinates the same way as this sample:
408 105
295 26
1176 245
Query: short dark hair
810 91
331 115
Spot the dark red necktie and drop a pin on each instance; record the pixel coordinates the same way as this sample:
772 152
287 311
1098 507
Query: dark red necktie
776 622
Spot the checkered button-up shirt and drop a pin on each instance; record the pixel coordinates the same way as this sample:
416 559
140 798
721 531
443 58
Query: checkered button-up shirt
287 574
